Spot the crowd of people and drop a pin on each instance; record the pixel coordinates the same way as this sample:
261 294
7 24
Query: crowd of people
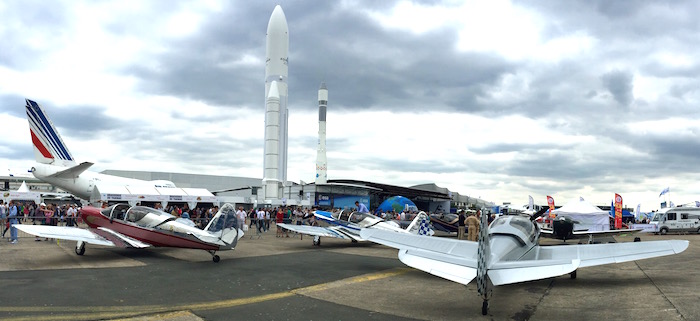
25 212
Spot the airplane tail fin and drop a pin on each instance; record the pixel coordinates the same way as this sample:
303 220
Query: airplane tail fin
224 226
421 225
483 255
49 147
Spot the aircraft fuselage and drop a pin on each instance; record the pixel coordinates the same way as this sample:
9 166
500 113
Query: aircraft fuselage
169 234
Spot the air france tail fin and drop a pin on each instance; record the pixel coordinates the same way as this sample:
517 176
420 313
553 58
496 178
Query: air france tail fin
421 225
49 147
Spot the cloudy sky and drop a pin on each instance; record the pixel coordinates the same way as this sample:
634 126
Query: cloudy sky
492 99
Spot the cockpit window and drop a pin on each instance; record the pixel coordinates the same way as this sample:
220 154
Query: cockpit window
226 220
498 222
115 212
523 225
344 216
357 217
147 217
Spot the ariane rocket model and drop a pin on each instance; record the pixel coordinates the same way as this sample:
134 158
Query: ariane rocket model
321 160
276 113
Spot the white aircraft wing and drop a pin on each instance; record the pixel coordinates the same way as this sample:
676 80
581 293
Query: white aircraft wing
599 254
99 236
450 259
319 231
456 260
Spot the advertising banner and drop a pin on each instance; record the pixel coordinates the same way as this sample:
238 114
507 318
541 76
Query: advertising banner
618 211
550 202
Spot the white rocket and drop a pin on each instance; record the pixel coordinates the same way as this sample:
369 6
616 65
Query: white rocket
276 113
321 160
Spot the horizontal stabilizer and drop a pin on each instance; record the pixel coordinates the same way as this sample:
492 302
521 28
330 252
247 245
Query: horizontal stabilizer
450 271
435 245
72 172
316 231
522 271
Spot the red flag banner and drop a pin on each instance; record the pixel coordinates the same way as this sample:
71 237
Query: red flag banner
618 211
550 202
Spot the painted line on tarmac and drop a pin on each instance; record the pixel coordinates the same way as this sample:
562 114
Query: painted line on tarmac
60 313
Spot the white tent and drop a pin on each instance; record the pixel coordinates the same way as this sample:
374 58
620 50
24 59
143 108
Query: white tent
589 217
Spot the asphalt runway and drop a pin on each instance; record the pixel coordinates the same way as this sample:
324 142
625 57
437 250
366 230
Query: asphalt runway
271 278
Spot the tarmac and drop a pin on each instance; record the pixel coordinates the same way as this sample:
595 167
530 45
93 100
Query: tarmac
269 278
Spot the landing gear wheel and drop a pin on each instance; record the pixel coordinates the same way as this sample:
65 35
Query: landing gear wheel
317 241
485 307
216 258
573 275
354 241
80 248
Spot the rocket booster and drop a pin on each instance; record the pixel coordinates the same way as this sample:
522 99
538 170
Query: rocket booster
276 121
272 128
321 160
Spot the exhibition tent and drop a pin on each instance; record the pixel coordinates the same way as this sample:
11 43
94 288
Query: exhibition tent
588 216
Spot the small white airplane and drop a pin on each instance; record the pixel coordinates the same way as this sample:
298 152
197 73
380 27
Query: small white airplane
508 252
55 164
348 226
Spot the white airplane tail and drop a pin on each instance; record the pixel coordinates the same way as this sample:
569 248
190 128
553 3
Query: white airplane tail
421 225
49 147
224 226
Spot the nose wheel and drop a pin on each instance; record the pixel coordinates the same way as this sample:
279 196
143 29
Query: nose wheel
214 257
317 241
485 307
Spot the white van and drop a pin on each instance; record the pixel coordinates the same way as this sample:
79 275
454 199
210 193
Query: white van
677 219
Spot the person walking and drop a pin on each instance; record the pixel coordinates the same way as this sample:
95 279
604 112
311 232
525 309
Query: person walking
472 223
3 217
240 215
461 225
13 220
261 220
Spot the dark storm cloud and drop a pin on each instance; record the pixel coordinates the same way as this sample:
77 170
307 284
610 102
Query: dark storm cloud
364 65
619 84
82 120
13 105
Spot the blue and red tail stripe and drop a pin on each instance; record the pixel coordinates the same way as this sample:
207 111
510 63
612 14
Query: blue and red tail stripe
45 130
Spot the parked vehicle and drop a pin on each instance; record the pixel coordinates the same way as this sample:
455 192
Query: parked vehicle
677 219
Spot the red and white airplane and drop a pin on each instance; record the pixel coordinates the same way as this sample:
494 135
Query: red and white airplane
125 226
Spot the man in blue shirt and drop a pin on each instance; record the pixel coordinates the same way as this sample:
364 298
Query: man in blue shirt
13 221
361 207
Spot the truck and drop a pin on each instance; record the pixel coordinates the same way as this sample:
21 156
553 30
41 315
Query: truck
677 220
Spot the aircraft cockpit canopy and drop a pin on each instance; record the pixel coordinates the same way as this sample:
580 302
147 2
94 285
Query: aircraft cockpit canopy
226 220
518 226
141 215
357 217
